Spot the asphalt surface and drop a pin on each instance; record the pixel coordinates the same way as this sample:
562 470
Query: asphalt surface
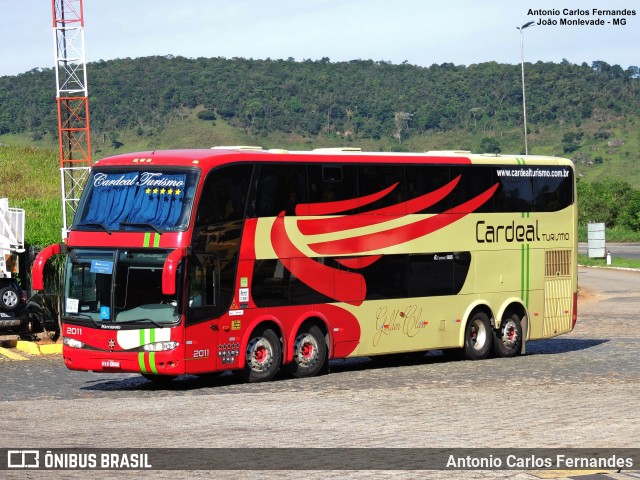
577 390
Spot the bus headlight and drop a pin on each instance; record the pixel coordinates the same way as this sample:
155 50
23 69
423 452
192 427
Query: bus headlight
160 346
72 342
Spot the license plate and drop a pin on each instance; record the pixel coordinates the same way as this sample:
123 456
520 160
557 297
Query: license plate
110 364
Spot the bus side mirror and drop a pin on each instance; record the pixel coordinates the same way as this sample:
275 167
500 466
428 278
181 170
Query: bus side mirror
170 268
37 271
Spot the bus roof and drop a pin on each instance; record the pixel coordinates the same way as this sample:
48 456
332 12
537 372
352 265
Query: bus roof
209 158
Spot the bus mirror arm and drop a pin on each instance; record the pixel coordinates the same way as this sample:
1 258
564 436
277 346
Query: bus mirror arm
170 268
37 271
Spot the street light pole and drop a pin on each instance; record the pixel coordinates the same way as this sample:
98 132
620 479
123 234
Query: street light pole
524 102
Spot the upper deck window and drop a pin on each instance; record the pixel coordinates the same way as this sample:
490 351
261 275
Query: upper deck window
128 200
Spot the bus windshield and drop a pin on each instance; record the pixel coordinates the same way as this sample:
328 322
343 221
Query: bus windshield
117 286
159 200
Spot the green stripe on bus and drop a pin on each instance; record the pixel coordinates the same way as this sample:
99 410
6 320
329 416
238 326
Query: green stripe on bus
143 369
152 362
142 340
528 276
152 335
525 275
156 240
522 271
147 237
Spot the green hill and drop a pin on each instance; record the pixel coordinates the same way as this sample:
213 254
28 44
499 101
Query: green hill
585 112
589 113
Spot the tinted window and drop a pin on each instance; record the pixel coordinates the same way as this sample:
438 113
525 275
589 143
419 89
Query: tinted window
434 274
281 188
553 189
224 194
331 183
474 180
387 278
373 179
270 284
422 180
515 193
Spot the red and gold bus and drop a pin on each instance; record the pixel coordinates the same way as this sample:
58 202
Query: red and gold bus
194 261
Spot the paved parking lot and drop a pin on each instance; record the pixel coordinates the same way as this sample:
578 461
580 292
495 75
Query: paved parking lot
578 390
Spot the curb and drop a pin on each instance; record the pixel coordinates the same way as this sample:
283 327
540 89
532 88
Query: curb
35 349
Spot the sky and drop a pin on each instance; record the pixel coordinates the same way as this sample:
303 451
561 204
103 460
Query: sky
420 32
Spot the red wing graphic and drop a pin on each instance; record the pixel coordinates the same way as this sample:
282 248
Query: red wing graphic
350 287
341 286
327 208
358 245
337 224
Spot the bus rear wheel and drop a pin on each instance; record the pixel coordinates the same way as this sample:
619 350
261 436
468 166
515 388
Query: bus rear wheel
263 356
309 353
477 337
507 340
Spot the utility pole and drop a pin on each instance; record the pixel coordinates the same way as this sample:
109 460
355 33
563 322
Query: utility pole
524 102
73 104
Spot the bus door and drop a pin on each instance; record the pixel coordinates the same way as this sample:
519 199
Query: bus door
202 312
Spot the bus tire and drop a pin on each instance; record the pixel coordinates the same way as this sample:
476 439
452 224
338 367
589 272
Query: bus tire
262 356
507 340
477 337
309 353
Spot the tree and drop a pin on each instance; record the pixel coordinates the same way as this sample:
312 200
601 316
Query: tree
490 145
401 124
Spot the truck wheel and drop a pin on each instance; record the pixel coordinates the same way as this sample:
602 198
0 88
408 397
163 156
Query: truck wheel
507 340
263 356
477 337
309 353
9 299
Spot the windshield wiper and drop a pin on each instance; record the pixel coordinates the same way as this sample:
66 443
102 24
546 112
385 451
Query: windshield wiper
125 322
142 225
83 316
92 224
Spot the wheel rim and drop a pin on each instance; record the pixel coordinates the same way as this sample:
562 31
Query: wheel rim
260 354
10 298
306 349
478 335
509 334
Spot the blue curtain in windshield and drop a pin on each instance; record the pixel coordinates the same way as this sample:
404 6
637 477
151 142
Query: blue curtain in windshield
160 206
136 198
110 204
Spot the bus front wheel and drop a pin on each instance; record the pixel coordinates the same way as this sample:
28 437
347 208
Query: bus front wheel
507 341
263 356
309 353
477 337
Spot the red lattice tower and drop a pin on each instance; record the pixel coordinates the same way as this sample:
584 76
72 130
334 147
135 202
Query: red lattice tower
73 104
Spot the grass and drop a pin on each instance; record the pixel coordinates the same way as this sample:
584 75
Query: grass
602 262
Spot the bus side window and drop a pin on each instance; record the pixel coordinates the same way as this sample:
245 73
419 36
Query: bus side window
224 195
202 290
514 194
376 178
474 180
554 193
330 183
424 179
280 189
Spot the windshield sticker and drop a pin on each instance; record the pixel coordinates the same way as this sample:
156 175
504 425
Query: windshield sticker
146 179
101 266
105 313
71 305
